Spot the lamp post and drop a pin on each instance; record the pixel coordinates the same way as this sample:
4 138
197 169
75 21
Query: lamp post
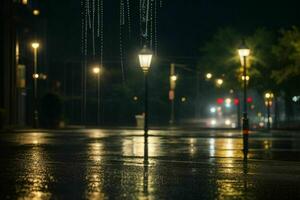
244 52
145 57
219 82
97 72
268 101
173 79
35 46
208 76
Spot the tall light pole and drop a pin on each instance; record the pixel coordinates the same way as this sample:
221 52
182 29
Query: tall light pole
268 101
244 52
35 46
173 79
145 57
97 72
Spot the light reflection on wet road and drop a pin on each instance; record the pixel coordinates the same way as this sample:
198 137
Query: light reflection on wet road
118 164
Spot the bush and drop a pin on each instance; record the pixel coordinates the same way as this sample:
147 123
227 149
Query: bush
51 111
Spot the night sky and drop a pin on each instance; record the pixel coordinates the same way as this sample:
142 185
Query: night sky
184 25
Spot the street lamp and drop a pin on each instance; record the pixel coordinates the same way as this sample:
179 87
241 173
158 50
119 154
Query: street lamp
219 82
268 101
208 76
97 72
145 57
244 52
173 79
35 46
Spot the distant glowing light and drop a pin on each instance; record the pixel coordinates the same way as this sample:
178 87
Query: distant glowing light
244 52
219 82
96 70
174 78
236 101
233 125
213 109
35 45
227 122
135 98
208 75
24 2
183 99
247 78
35 76
261 124
36 12
228 102
213 122
296 98
220 100
249 100
269 95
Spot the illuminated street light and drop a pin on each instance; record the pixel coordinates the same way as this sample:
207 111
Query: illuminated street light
145 57
35 45
36 12
35 76
208 75
247 78
97 71
227 122
213 109
244 52
219 82
268 101
174 78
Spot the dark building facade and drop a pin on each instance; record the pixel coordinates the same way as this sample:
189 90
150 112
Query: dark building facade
21 22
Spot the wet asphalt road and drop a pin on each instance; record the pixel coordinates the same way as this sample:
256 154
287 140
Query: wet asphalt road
117 164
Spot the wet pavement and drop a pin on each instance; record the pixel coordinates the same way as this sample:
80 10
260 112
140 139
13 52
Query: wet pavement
119 164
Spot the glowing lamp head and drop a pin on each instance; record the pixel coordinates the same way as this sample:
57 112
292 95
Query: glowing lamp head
36 12
244 52
247 78
35 45
145 57
35 76
269 95
96 70
219 82
174 78
208 75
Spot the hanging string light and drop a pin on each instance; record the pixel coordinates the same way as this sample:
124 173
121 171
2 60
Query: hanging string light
155 27
89 13
128 18
101 32
122 23
93 28
151 24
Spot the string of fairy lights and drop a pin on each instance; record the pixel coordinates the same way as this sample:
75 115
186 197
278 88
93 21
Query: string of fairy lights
142 13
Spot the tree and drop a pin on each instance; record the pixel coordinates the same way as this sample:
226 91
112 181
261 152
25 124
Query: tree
287 71
287 52
220 57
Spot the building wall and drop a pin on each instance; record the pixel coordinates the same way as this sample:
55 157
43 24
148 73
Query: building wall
8 65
